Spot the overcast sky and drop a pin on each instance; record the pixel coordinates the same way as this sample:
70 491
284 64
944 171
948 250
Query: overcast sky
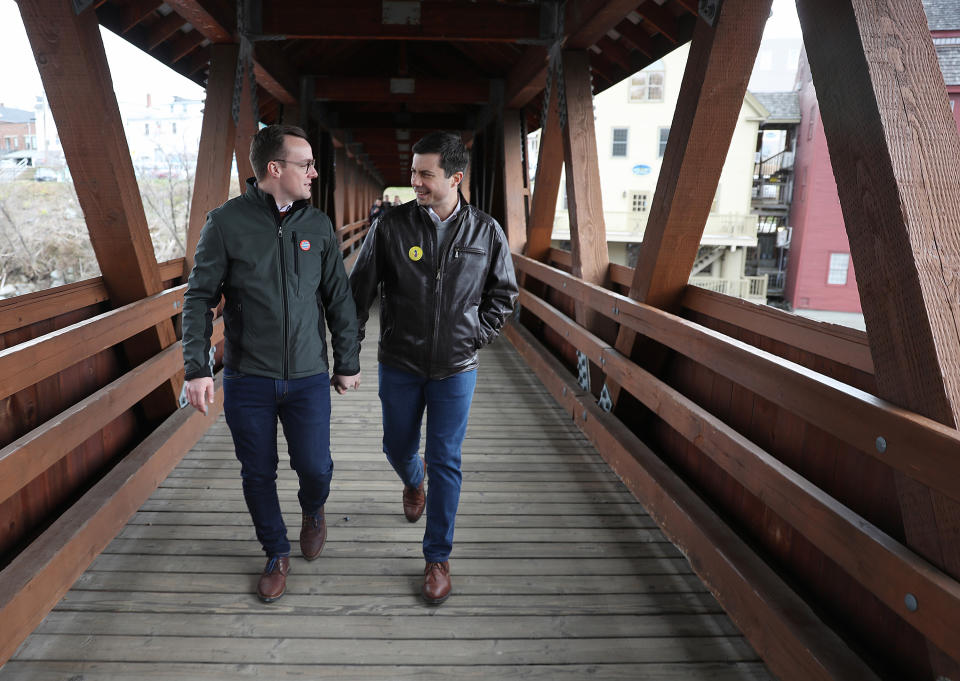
135 74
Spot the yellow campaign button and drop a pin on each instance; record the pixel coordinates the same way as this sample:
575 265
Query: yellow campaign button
415 253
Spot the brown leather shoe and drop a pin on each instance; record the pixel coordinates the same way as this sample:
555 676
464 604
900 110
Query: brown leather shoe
313 533
436 582
273 581
414 500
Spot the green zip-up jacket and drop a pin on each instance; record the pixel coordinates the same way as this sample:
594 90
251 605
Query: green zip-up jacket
280 278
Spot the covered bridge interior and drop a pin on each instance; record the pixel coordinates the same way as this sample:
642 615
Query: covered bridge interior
809 473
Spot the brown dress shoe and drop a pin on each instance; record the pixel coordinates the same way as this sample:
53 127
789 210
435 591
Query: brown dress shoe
313 533
273 581
414 501
436 582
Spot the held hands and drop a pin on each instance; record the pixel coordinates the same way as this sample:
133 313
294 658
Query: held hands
343 383
200 392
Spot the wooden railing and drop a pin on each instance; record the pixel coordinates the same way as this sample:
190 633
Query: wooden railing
786 631
351 237
51 336
76 459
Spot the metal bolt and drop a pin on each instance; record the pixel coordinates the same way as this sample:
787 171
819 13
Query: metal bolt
603 360
564 285
911 602
615 310
881 445
564 391
584 414
176 304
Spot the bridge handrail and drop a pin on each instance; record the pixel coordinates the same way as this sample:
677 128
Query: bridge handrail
883 565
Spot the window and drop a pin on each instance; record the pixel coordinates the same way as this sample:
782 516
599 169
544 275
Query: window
174 126
715 206
839 262
647 85
638 202
619 143
31 142
812 122
663 134
146 128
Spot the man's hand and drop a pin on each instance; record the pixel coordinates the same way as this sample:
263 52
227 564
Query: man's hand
200 392
343 383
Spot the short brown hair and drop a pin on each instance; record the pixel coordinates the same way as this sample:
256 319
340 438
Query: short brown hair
267 145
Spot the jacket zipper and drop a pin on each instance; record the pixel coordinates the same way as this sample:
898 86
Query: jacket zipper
438 289
296 260
283 293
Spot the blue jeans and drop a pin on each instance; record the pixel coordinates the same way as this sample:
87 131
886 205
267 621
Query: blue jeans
252 405
403 398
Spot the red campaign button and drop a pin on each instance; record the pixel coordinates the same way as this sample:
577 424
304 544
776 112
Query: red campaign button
304 245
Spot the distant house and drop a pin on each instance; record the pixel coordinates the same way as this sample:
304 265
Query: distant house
820 281
18 135
632 122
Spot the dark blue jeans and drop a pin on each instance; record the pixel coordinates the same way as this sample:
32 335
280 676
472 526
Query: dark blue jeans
403 398
252 405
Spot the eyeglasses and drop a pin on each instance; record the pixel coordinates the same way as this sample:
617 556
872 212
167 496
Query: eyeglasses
305 166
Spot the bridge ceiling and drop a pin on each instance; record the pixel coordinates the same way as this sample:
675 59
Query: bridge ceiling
378 73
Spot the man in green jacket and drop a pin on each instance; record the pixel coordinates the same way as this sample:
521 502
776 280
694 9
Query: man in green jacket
277 263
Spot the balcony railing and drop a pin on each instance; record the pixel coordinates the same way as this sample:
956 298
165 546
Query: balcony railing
748 288
630 226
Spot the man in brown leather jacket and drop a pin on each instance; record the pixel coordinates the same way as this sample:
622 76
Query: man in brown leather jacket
446 284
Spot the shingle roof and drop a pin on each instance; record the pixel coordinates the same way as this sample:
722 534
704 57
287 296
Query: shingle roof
949 58
784 107
8 115
942 15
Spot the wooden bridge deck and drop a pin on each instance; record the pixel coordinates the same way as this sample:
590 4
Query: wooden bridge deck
558 573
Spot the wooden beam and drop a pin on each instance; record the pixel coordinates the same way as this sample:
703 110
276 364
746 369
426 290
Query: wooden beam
76 78
202 20
137 11
420 90
514 181
246 128
211 184
429 20
35 581
543 207
184 44
588 234
840 344
893 146
785 631
589 20
661 19
42 305
637 38
163 29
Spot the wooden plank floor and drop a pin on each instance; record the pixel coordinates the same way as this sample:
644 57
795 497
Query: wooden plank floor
557 572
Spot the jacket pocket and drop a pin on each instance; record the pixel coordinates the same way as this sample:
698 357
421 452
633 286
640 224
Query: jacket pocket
465 250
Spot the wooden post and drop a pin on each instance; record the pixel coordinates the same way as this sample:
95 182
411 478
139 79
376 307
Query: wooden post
894 146
514 180
711 95
339 193
543 208
246 129
76 77
588 234
211 185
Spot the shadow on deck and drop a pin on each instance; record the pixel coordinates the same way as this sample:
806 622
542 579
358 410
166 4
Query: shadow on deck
558 573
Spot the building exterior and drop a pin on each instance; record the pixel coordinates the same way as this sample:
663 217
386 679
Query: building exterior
163 136
821 281
632 121
18 136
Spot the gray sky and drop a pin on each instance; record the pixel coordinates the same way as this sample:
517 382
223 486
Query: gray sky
135 74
